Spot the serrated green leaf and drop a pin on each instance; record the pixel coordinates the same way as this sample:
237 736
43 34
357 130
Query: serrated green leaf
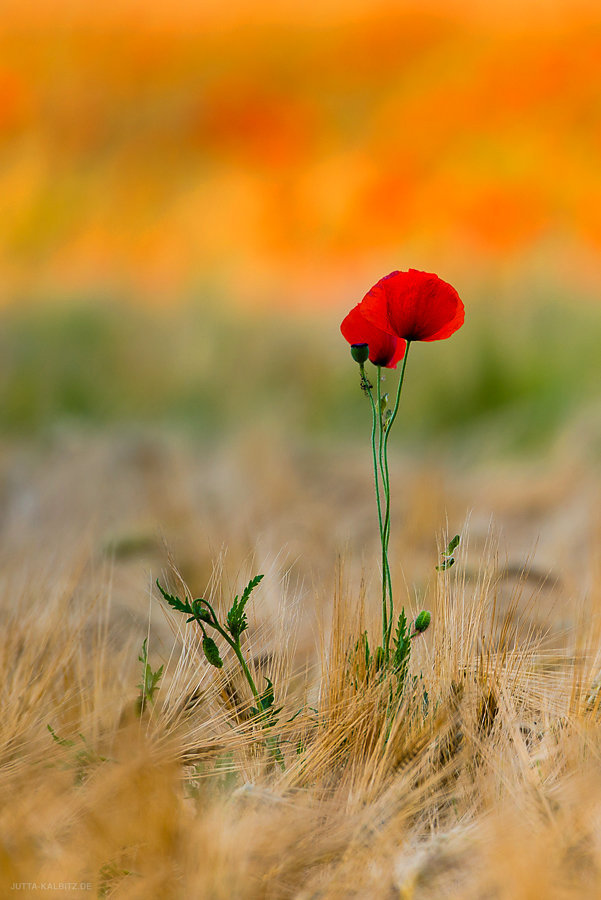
63 742
402 632
402 647
150 679
236 621
174 602
250 587
144 657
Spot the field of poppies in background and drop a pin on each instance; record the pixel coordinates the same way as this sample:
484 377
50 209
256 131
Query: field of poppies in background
193 197
286 155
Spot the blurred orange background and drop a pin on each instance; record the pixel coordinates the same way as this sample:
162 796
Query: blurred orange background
283 153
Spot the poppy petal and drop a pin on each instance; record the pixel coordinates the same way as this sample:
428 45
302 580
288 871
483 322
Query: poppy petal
416 306
384 348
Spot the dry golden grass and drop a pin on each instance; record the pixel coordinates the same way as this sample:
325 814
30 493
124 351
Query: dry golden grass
495 793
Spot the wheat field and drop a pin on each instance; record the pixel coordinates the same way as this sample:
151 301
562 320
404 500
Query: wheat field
489 788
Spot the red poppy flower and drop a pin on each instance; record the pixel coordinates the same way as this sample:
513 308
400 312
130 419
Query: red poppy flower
416 306
384 348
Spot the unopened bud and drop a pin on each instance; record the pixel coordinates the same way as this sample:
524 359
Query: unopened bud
201 612
360 353
422 621
211 652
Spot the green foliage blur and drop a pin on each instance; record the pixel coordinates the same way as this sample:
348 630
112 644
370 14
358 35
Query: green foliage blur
515 375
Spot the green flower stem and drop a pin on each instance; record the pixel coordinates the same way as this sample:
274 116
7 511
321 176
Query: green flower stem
237 650
201 612
235 645
386 483
398 393
386 579
376 447
380 432
270 742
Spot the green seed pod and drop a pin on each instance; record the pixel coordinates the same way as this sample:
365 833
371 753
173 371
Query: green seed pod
360 352
422 621
211 652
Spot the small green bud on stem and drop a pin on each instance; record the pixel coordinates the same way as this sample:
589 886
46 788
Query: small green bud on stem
422 622
201 612
211 652
360 353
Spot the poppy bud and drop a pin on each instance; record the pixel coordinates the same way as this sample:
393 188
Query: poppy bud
422 621
360 353
200 612
211 652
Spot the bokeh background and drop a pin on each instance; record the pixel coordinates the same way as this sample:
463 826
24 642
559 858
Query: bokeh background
194 195
191 188
285 154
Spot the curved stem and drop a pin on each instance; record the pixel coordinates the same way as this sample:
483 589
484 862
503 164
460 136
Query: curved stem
386 479
235 645
271 743
398 393
248 676
215 622
386 578
376 448
373 439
